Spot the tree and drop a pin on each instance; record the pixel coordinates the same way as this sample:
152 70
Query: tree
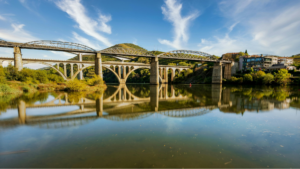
248 78
246 52
282 77
268 78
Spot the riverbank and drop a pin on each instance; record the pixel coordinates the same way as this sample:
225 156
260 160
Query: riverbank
16 88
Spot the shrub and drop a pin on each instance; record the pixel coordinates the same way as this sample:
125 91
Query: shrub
4 89
96 80
76 85
268 78
282 77
25 89
240 80
2 79
248 78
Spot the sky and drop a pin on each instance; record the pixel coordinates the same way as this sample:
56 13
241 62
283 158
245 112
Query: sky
214 26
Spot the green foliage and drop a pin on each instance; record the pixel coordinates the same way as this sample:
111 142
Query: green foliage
76 85
282 77
208 80
172 64
25 89
96 80
11 73
268 78
248 78
236 80
183 64
5 89
188 72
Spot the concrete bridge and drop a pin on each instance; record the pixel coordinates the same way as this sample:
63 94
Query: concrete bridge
121 99
119 52
122 70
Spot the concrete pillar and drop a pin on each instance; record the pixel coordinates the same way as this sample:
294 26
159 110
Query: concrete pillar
99 106
154 74
119 71
82 107
160 72
57 66
166 75
173 75
227 71
166 91
98 65
18 58
124 72
114 68
66 98
234 67
22 112
65 69
216 92
72 73
154 100
217 73
80 66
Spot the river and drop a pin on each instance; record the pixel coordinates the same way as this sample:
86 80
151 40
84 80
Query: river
166 126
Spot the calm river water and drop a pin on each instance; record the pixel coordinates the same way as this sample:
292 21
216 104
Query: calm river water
153 126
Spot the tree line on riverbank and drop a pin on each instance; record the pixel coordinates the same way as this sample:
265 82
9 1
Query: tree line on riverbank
280 77
16 82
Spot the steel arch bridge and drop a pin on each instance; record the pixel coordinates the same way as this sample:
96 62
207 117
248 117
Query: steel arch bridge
57 45
118 51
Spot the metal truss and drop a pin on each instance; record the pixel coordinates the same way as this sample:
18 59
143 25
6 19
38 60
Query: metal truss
187 54
5 43
58 45
126 51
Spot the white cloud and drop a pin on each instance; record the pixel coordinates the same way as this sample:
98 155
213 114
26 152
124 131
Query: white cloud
89 26
2 18
172 13
17 34
267 27
135 41
220 45
84 41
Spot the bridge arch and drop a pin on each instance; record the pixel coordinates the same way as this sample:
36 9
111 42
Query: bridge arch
48 64
59 45
84 67
187 54
136 68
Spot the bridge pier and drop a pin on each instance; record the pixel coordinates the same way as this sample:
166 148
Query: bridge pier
216 92
65 69
22 112
227 71
217 73
98 65
18 58
154 97
80 66
154 73
72 73
99 106
173 75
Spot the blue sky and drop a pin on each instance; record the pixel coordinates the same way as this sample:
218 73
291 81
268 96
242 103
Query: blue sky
215 27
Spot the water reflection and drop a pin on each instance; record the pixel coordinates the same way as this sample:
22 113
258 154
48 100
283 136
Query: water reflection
133 102
153 126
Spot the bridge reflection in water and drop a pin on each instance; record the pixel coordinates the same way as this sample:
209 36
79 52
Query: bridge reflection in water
113 107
